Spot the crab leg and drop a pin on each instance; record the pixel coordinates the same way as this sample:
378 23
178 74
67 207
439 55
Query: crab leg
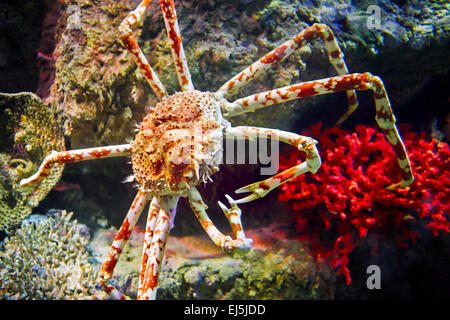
306 144
126 35
153 212
359 81
166 214
122 236
335 56
234 217
179 57
75 156
240 244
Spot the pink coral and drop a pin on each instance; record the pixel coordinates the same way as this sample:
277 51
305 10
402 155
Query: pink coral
347 198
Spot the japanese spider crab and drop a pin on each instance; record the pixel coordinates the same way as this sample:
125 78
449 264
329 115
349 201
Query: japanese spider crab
176 120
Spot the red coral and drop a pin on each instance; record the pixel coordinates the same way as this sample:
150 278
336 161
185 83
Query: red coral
347 198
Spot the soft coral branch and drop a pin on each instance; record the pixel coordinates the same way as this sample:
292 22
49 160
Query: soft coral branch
348 198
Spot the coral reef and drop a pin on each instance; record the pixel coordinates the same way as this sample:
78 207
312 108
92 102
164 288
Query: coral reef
47 259
29 133
347 201
194 268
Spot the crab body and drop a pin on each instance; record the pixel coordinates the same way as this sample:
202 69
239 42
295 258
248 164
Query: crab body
179 143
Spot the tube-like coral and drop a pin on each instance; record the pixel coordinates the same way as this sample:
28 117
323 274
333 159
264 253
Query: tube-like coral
347 198
47 259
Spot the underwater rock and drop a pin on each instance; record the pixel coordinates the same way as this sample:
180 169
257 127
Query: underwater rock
194 268
257 275
46 259
29 133
95 84
286 272
45 62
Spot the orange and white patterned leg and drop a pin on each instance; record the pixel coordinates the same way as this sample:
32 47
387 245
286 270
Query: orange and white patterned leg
122 236
126 35
168 207
233 215
176 45
305 144
240 244
75 156
335 56
152 217
359 81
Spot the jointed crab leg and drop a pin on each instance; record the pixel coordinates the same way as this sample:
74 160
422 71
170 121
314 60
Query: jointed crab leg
335 56
122 236
179 57
359 81
234 217
226 243
126 35
153 212
75 156
168 205
306 144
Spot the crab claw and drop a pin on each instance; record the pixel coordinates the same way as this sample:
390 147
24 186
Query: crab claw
223 207
257 189
240 245
234 210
